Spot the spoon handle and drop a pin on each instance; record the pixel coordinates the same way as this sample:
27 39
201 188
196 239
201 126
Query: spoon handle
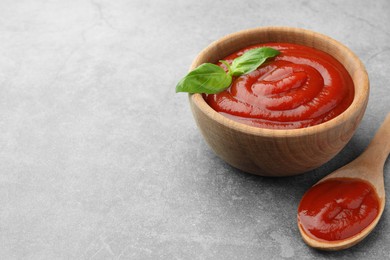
379 148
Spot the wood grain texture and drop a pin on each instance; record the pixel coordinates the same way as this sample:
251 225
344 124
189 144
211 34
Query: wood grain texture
279 152
369 167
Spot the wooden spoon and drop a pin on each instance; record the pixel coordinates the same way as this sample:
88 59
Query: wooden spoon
369 167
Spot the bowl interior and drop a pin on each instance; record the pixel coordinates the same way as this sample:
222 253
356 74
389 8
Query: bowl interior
236 41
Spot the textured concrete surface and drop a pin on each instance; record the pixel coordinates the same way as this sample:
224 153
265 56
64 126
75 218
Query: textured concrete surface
100 159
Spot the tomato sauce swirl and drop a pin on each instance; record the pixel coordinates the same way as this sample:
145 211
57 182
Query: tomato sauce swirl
300 87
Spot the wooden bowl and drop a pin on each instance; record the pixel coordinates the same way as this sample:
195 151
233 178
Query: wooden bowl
269 152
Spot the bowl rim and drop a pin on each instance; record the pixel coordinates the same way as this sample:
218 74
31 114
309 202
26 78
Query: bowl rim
357 103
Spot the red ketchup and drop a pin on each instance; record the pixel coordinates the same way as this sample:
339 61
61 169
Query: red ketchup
337 209
300 87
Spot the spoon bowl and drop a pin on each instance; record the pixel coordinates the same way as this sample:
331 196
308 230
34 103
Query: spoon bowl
367 167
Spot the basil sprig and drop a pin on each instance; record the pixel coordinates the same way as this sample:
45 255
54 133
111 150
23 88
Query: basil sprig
210 78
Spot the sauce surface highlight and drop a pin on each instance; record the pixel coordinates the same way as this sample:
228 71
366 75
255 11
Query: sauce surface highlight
298 88
337 209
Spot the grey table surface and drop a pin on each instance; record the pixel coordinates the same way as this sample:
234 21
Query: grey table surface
100 159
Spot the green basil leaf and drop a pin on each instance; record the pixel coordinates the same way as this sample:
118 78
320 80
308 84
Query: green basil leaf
207 78
251 60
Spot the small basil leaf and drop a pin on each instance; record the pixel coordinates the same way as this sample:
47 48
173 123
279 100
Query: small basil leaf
251 60
207 78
